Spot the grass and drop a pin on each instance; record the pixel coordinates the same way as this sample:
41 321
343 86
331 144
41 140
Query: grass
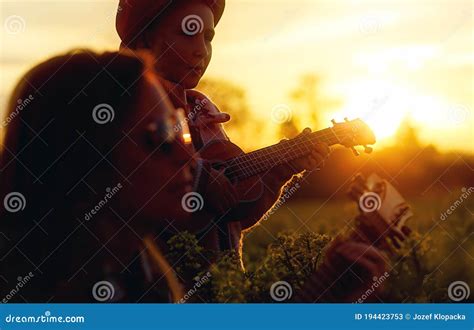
439 253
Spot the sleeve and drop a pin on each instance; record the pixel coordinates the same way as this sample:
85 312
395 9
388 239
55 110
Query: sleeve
207 117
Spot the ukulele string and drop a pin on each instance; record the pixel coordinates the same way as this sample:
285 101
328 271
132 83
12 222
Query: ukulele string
252 161
271 150
247 164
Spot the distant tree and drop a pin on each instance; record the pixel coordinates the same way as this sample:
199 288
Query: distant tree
407 135
310 101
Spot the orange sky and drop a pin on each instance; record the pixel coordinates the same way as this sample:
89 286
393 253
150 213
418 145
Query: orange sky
385 60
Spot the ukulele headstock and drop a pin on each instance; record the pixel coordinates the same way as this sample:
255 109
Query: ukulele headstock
353 133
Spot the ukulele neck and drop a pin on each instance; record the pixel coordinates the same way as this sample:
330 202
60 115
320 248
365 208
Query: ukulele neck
262 160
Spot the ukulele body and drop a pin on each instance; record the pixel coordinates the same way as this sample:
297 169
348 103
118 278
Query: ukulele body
248 190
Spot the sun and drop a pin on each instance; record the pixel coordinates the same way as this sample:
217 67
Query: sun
381 105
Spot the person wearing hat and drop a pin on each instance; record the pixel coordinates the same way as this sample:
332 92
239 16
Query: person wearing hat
179 34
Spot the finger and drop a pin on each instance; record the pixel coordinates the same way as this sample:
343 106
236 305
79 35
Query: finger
307 164
357 191
406 230
193 93
395 241
317 161
217 118
313 163
312 160
359 180
322 149
307 130
397 233
298 165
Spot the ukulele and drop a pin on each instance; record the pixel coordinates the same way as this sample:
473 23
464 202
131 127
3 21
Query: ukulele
244 170
380 224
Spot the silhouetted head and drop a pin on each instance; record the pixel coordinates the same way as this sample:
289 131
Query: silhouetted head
180 37
89 161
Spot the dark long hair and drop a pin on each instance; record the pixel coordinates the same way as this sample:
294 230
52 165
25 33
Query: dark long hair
56 161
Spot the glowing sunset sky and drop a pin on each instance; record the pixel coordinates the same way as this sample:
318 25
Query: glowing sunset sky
385 60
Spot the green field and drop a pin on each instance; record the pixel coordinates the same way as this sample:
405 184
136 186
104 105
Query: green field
438 253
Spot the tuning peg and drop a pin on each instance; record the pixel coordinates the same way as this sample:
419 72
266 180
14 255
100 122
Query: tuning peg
356 153
333 121
346 119
368 149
